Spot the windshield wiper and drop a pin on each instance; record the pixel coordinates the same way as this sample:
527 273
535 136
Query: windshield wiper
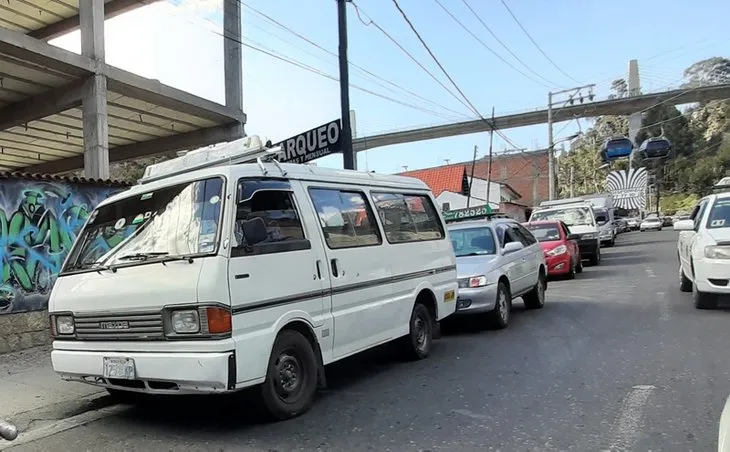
485 253
142 256
89 266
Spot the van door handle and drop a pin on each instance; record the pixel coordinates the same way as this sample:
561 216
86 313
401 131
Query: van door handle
334 267
319 270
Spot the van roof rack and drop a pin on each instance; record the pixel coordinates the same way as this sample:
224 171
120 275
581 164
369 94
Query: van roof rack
472 213
245 150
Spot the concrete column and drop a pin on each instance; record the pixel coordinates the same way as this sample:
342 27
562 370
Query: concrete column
634 86
232 55
96 127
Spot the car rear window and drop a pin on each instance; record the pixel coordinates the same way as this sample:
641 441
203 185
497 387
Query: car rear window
544 232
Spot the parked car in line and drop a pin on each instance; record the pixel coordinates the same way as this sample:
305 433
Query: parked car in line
622 225
651 224
703 247
633 223
560 247
667 221
497 260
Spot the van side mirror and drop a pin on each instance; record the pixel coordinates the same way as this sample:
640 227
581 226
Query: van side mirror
254 231
511 247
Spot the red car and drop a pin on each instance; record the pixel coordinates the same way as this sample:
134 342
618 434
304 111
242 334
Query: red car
562 255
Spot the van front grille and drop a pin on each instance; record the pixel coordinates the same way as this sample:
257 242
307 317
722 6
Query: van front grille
122 327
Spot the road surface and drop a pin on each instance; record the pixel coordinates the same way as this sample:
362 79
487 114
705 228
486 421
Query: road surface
618 359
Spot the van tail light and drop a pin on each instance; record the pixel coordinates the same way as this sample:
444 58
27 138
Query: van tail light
219 320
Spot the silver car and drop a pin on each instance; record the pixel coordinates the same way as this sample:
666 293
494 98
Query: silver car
496 261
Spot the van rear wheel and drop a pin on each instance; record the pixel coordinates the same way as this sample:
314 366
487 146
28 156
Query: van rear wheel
291 377
417 344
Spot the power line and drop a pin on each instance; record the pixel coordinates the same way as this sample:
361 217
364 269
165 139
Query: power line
322 48
506 47
438 63
270 52
394 41
536 44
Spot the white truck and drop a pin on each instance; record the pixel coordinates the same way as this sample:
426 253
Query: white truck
578 215
604 211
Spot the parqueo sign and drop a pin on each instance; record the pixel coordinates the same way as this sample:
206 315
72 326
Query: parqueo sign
313 144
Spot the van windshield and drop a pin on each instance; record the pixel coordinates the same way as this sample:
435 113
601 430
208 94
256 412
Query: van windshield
179 220
574 216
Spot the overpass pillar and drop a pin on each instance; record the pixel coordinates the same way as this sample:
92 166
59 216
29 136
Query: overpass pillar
232 57
94 106
634 90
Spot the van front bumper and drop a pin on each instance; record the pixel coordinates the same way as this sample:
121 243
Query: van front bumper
155 373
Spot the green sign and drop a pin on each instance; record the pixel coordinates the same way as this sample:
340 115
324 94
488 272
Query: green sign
469 213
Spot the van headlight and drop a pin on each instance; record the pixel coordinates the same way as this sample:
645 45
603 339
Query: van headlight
589 236
185 321
198 322
717 252
65 325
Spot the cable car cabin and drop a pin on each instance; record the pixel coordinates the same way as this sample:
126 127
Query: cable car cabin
655 148
616 148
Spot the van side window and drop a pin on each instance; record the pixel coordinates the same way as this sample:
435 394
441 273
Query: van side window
408 218
277 209
346 218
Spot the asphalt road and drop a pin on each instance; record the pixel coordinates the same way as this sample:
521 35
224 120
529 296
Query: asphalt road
618 359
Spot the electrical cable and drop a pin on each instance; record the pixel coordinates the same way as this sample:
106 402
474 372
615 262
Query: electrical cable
506 47
322 48
314 70
493 52
448 76
537 45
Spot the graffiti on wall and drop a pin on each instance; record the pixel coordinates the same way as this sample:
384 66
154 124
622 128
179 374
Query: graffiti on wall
39 221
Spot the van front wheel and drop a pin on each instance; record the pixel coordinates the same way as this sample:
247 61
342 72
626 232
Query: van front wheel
291 377
417 344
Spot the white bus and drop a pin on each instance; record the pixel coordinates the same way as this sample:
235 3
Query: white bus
211 276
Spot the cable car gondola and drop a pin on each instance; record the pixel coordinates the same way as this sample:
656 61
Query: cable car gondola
655 148
616 148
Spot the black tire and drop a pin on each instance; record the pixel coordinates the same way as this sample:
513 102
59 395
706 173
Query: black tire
535 299
291 377
498 318
579 267
417 344
571 271
596 257
703 300
685 285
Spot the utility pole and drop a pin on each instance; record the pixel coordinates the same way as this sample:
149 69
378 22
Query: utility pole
571 179
489 169
573 94
349 159
471 180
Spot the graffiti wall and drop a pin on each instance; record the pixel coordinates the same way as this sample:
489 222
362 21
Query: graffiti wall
39 221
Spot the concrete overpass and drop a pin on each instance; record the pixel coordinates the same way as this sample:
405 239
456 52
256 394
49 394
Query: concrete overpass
624 106
61 111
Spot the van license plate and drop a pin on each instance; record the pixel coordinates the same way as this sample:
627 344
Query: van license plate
122 368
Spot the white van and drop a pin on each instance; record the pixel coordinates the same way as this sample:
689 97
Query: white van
580 218
212 276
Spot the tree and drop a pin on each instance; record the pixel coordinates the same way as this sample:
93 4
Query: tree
620 88
712 71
